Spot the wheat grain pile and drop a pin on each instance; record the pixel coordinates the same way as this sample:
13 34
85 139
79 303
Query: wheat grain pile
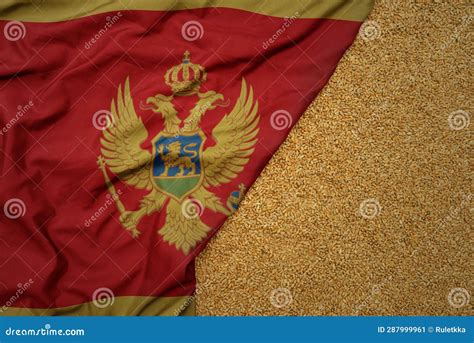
366 209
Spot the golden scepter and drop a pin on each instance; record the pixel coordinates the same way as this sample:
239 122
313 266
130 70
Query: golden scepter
113 192
110 186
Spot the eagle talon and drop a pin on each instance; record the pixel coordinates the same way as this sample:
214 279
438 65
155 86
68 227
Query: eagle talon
130 220
135 232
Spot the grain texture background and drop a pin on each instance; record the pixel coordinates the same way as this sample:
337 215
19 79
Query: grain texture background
366 209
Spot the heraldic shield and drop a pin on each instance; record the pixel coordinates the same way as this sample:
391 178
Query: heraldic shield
177 164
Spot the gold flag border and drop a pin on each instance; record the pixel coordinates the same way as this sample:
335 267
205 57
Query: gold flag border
118 306
55 10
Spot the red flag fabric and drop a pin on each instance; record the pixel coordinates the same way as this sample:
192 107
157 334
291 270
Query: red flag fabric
130 131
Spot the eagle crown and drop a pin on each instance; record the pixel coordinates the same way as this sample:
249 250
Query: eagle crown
185 78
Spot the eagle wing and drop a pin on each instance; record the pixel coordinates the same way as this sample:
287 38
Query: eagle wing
235 137
121 142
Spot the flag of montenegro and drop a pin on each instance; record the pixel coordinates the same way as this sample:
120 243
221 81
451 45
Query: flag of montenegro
130 131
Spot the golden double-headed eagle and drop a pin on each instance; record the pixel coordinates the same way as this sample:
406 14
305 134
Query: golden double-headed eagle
178 173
